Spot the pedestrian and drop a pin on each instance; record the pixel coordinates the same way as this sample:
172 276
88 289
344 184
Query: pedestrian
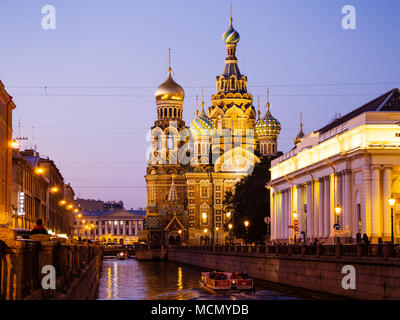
365 239
38 228
358 237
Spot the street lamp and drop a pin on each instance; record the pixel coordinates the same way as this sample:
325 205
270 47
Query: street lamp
54 189
205 232
392 202
246 224
217 229
39 170
230 226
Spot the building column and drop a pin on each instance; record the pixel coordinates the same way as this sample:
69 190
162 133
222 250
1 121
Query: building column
106 227
288 213
309 219
272 213
300 207
327 207
387 183
366 200
130 227
124 228
100 233
376 217
282 215
339 199
136 228
348 210
112 227
321 205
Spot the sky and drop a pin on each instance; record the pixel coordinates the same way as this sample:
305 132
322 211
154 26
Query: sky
84 91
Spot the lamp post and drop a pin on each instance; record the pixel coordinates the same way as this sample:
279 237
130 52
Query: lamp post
216 231
392 203
205 233
246 224
294 215
230 226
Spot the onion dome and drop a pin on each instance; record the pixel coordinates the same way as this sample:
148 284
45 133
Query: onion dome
268 125
169 90
202 125
231 36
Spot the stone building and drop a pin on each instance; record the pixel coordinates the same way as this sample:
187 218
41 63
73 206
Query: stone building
59 195
336 181
6 108
29 193
110 225
191 168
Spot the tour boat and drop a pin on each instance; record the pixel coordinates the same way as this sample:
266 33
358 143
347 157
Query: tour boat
226 281
122 255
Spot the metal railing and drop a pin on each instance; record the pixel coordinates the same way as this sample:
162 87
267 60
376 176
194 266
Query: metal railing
380 251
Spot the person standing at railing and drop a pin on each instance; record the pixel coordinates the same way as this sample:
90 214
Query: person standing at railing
38 228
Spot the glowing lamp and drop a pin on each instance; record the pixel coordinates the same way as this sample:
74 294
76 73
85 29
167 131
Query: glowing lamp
39 170
295 215
205 230
62 202
338 210
230 226
392 201
54 189
246 223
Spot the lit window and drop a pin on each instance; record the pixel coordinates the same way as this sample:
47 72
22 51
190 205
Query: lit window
204 217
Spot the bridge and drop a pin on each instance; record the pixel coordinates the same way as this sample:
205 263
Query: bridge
114 250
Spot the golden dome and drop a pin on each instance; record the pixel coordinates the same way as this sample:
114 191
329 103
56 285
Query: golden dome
169 90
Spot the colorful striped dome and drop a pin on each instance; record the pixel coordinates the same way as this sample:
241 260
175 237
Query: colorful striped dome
267 126
231 36
202 125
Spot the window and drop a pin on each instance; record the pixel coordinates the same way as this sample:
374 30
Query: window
204 191
204 217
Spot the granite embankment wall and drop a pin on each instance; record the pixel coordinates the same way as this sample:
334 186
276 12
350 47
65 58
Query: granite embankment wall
77 266
377 276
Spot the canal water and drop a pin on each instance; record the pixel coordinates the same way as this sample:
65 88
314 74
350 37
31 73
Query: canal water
161 280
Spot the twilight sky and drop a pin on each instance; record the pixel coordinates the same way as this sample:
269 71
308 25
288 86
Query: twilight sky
104 59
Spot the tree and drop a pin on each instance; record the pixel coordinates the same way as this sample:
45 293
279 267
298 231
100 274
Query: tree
251 202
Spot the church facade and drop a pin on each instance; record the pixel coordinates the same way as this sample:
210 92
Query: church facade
190 168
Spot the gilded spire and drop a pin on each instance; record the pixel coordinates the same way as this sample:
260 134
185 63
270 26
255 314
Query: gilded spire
169 61
197 106
230 19
258 107
301 134
268 104
202 100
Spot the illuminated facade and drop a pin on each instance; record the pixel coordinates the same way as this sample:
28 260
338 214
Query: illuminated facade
110 225
6 108
191 168
337 181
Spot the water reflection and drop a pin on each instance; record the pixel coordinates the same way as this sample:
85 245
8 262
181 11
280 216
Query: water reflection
159 280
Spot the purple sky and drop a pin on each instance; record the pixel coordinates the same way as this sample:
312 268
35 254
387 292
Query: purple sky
97 135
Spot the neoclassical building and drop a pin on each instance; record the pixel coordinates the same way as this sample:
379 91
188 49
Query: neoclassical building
337 180
190 168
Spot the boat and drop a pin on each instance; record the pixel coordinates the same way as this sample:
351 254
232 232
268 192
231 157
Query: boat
226 281
122 255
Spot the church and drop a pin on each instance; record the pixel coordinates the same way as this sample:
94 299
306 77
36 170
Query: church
190 168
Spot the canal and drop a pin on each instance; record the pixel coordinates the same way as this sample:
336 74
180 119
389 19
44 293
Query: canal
161 280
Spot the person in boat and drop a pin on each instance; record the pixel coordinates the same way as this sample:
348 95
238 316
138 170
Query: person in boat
220 276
